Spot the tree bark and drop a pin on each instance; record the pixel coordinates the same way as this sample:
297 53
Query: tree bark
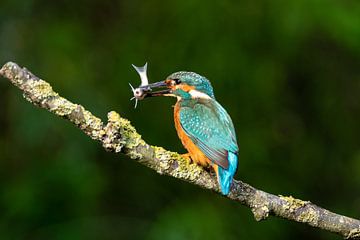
118 135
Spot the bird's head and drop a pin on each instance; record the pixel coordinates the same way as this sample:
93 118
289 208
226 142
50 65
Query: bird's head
183 85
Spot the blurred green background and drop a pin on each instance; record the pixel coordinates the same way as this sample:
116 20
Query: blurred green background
287 71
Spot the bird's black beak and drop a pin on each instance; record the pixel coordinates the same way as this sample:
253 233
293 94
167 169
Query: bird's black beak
150 89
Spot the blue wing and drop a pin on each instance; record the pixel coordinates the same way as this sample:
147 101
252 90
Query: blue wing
210 127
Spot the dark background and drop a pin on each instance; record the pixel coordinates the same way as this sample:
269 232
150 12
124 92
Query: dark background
287 71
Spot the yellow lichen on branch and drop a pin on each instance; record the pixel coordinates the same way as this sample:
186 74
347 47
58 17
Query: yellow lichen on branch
118 135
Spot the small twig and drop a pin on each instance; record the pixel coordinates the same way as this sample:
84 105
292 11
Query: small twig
118 135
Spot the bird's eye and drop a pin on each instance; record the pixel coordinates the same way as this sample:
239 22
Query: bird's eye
177 81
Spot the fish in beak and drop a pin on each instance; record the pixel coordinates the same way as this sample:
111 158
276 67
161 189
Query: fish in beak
145 89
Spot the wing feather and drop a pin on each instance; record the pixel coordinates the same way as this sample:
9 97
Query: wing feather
210 127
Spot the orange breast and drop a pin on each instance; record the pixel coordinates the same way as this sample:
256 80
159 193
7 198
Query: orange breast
195 153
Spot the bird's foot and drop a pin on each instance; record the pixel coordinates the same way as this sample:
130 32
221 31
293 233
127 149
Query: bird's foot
187 156
213 169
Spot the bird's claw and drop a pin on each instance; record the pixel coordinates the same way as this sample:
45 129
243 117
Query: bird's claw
187 156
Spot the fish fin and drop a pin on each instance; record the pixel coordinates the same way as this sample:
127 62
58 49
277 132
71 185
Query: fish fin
142 71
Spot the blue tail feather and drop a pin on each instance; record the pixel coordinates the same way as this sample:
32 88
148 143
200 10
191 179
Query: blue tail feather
225 176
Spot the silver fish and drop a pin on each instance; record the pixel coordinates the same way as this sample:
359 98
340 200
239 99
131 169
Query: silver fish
139 93
142 71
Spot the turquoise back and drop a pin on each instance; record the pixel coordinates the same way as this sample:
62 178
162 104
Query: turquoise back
210 128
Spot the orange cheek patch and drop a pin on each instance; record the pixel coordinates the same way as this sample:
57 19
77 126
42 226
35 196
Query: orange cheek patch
186 87
182 86
170 85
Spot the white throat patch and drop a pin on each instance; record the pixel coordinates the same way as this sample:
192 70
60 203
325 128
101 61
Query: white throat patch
197 94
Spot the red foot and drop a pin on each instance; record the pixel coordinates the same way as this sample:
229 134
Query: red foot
187 156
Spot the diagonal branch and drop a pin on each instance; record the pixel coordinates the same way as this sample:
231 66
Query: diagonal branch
118 135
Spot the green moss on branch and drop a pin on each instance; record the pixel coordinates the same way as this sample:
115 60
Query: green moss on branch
118 135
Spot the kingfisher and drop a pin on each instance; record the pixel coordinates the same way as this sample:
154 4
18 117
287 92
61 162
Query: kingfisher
202 124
